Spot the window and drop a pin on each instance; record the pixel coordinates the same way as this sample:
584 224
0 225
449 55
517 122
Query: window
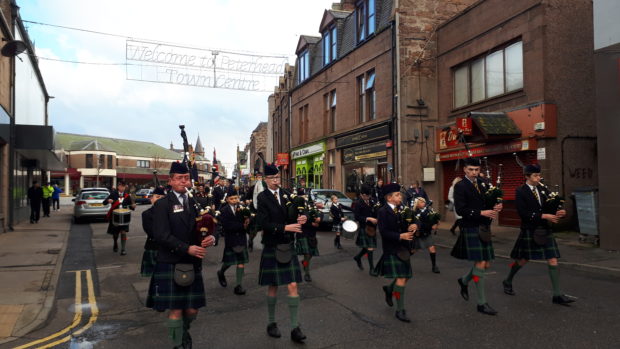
367 96
326 108
303 64
332 111
497 73
361 88
330 45
303 123
366 19
89 160
144 163
101 163
371 94
110 161
334 43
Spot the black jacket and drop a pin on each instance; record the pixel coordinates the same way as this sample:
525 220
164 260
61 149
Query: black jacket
35 195
232 224
336 211
272 217
115 195
391 225
468 203
174 231
377 195
147 225
363 211
530 211
218 196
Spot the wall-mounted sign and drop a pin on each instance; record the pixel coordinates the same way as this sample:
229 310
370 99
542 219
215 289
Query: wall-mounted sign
307 151
282 159
365 152
448 138
373 134
541 154
465 125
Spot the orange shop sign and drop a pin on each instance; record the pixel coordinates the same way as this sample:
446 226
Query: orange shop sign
282 159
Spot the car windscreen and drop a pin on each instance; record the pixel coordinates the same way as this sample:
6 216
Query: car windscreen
327 194
94 195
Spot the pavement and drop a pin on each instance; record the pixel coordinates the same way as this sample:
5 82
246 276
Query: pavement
32 255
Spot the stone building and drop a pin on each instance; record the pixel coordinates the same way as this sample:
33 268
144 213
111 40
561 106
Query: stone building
258 143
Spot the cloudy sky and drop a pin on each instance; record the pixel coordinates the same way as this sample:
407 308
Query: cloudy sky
99 100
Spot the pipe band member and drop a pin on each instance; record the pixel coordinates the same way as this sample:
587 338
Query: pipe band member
119 198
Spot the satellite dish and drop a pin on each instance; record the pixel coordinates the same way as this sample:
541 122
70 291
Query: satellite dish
13 47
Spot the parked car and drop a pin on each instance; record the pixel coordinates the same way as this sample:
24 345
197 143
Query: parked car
89 204
324 196
91 189
143 196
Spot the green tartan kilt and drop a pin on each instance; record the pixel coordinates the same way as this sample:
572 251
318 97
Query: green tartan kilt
526 248
165 294
469 246
149 260
365 241
232 258
302 246
273 273
112 229
391 267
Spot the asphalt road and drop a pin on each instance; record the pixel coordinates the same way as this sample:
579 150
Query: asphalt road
342 308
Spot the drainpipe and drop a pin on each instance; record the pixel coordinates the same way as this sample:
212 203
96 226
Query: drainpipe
11 188
396 104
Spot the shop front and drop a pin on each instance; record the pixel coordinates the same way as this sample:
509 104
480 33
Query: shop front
309 163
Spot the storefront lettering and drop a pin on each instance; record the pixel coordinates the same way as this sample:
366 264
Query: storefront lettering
365 136
581 173
307 151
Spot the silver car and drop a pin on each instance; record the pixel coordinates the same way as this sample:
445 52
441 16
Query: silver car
324 196
89 204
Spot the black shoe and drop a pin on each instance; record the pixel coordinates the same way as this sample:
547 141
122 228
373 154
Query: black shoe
358 260
297 336
435 269
486 309
272 330
464 290
373 272
562 300
402 316
123 252
339 246
307 278
115 248
221 278
388 295
239 290
508 288
187 340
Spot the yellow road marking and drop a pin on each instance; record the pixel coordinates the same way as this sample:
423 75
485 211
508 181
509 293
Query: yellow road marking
77 318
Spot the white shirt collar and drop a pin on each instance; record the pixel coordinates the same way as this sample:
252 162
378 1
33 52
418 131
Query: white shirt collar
392 206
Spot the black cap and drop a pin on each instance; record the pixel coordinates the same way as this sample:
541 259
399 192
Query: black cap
232 191
178 167
390 188
472 162
159 191
271 169
366 190
531 168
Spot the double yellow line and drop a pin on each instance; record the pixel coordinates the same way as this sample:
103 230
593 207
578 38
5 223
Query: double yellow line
77 318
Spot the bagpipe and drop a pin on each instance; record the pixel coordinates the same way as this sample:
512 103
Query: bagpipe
427 217
553 202
299 205
493 195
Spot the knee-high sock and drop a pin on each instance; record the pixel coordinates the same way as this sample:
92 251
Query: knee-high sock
362 252
514 268
371 264
123 240
175 331
293 307
399 294
478 277
434 258
239 275
306 263
115 237
224 268
555 279
187 321
467 277
271 308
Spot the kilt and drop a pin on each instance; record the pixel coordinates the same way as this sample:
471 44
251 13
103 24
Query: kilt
149 260
337 227
165 294
112 229
422 243
391 267
272 273
526 248
365 241
302 246
469 246
232 258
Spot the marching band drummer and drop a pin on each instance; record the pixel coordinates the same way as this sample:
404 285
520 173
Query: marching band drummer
337 218
365 215
119 197
149 257
424 238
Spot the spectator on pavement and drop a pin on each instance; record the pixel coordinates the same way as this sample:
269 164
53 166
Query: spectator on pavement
35 196
56 197
48 190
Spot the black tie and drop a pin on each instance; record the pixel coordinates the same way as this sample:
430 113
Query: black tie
183 201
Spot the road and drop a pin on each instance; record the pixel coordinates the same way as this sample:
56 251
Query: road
342 308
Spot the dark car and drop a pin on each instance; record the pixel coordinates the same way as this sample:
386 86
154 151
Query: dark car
143 196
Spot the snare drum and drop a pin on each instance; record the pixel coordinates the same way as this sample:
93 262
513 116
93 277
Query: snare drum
349 227
121 217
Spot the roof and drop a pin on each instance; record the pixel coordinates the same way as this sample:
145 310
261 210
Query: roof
306 40
198 148
330 15
75 142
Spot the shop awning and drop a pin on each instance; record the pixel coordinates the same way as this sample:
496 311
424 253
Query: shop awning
490 127
36 142
490 149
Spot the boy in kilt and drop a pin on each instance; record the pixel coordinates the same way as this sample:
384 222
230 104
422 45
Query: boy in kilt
306 244
174 220
337 218
536 241
251 200
234 226
474 241
424 235
119 197
396 237
149 257
365 214
278 265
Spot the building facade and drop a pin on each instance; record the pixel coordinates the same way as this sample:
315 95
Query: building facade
258 144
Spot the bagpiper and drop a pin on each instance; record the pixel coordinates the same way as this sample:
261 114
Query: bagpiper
365 211
306 243
428 222
149 257
536 242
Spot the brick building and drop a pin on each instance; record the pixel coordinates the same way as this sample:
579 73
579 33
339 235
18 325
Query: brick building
258 144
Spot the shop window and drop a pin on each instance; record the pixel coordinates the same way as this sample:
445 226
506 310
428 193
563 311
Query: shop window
89 161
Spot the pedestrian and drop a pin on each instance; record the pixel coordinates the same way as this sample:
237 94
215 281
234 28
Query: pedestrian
118 198
396 237
35 197
474 241
415 191
536 241
177 284
251 200
306 243
149 257
234 227
56 197
48 191
365 211
457 218
337 218
377 192
278 265
219 193
424 235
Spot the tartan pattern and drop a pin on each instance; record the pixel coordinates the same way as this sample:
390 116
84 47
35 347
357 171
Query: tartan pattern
272 273
469 246
391 267
232 258
112 229
365 241
337 227
422 243
149 260
165 294
526 248
302 246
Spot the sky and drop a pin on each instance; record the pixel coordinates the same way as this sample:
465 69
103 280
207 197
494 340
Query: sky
99 100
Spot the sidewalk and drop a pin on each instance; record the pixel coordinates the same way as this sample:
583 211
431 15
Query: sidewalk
30 261
574 254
